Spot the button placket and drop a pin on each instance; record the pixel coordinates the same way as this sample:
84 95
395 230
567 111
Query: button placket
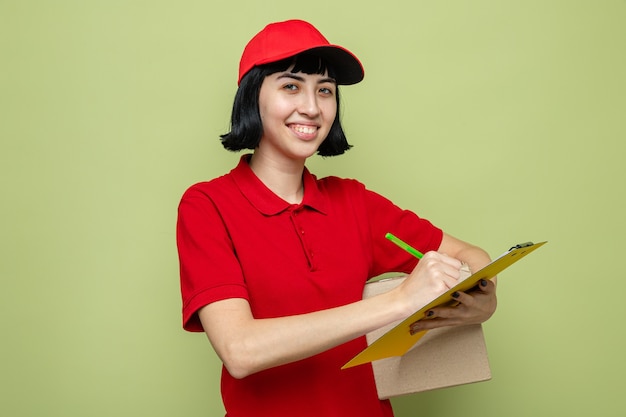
296 218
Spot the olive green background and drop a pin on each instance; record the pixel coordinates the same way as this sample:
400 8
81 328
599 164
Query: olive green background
501 121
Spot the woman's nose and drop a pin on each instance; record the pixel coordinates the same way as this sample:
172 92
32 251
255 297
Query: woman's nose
309 105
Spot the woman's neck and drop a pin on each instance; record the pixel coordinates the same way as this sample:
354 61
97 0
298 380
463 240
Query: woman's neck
284 177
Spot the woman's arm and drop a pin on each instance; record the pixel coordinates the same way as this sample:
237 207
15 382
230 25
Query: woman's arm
247 345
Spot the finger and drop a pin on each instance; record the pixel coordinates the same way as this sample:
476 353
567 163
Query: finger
449 260
487 286
457 310
441 259
449 270
444 313
433 324
449 280
463 298
440 271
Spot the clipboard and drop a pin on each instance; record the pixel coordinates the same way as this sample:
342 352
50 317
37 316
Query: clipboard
398 340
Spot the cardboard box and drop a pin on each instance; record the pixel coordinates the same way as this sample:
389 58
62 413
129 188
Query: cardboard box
444 357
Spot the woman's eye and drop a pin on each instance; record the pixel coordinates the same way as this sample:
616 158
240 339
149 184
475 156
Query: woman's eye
291 87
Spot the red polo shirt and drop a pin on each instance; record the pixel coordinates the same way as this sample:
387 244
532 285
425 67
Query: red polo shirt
237 239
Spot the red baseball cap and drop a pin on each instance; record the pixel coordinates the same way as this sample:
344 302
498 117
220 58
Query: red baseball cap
281 40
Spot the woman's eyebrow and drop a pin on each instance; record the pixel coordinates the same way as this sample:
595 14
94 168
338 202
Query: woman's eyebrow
327 80
290 75
299 78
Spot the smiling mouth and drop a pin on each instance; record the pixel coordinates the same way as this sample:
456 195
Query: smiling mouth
303 129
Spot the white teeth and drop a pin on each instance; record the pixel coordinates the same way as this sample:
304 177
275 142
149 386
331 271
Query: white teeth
304 129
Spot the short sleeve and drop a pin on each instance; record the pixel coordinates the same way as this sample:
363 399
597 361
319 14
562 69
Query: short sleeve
209 269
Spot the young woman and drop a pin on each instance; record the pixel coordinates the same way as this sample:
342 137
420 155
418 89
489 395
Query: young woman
274 260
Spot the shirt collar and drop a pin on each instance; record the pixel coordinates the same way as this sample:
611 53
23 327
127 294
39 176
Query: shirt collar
268 203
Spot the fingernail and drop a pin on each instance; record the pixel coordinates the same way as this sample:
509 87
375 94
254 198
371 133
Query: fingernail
430 313
455 294
483 283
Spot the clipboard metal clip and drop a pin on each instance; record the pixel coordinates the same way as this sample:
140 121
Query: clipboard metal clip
521 245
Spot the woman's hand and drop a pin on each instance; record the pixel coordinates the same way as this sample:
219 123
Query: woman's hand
435 274
474 307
